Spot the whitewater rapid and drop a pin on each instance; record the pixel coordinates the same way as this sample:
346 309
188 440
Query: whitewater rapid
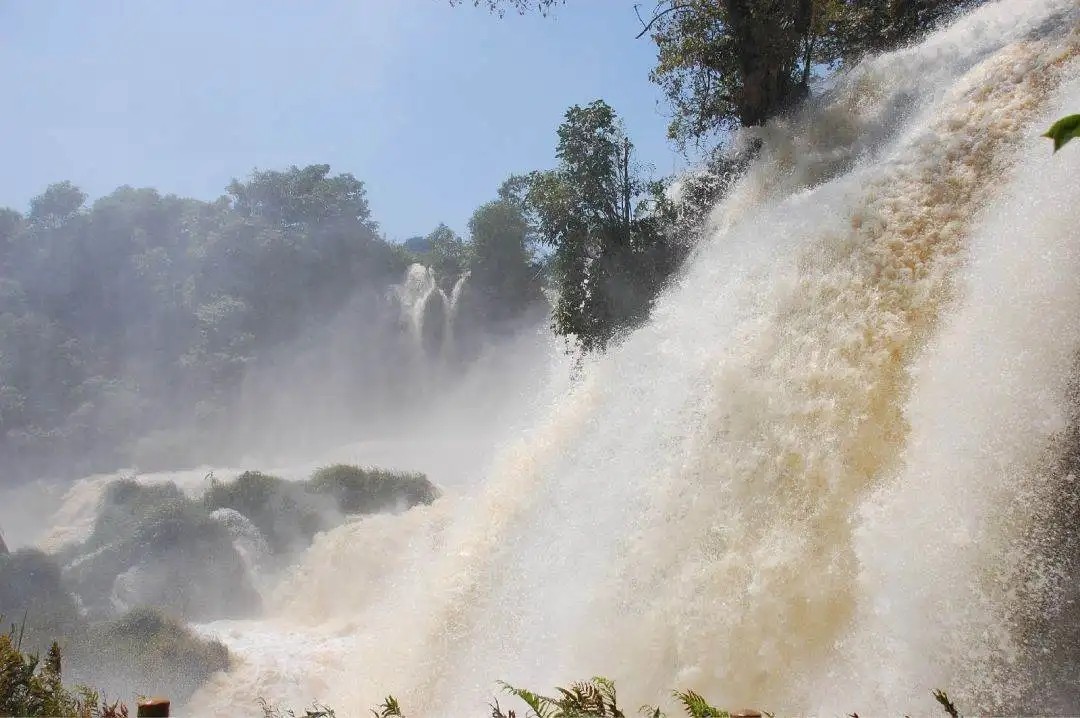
813 482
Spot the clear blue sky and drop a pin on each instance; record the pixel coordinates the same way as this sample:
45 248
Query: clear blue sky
431 106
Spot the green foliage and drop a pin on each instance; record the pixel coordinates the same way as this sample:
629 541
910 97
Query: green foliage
56 205
741 62
447 256
111 314
32 688
595 697
682 205
609 254
1064 130
289 513
153 545
364 491
501 273
696 706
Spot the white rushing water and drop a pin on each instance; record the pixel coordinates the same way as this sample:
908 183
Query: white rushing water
810 482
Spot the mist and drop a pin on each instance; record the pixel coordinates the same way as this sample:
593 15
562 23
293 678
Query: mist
797 428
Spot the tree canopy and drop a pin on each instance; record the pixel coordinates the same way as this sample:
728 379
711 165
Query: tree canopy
609 255
143 313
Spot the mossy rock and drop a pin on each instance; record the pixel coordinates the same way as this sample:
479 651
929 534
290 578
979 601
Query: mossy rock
125 505
286 515
160 548
145 652
34 596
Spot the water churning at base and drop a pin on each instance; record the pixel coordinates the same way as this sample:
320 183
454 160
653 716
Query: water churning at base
818 480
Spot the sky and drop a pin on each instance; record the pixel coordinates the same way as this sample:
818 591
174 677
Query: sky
431 106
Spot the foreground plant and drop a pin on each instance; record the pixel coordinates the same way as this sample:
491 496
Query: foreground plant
317 710
33 688
596 698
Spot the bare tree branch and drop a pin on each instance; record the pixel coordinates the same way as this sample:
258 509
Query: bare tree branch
657 14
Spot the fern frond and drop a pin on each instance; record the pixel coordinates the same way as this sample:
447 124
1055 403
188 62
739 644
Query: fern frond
697 707
606 686
389 708
541 706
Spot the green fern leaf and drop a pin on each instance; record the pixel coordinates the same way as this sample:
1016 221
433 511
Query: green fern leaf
697 707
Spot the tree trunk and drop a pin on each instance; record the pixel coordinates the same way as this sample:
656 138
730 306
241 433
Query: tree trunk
769 36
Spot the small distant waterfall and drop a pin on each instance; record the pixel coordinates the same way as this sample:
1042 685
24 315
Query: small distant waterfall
451 349
428 313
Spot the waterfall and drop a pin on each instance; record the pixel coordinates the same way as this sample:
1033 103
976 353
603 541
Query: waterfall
422 300
816 481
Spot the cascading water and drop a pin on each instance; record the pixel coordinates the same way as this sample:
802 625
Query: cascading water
813 482
428 312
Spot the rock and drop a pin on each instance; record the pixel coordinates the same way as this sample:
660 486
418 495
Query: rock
31 586
165 550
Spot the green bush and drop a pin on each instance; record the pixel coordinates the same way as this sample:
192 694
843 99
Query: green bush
359 491
32 688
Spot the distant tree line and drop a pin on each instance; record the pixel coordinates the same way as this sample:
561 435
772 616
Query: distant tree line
141 312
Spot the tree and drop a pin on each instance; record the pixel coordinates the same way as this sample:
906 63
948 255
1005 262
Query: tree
500 272
307 196
609 256
682 204
447 256
10 226
56 205
873 26
727 63
142 313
